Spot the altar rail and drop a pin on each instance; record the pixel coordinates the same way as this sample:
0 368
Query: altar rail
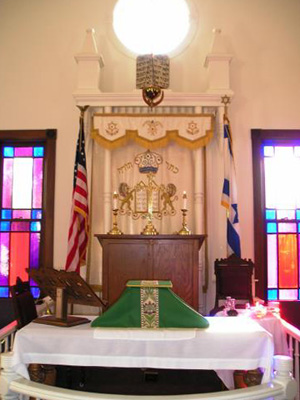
20 388
293 337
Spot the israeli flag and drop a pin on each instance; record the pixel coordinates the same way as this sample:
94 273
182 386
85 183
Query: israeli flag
229 195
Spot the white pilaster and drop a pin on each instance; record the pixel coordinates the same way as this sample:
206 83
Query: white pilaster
217 62
89 63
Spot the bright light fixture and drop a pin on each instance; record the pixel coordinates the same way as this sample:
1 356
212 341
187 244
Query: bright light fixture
151 26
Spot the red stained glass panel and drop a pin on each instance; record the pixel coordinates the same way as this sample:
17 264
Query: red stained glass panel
4 258
19 256
288 264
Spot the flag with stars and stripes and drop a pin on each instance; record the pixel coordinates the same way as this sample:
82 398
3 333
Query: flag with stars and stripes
229 194
79 227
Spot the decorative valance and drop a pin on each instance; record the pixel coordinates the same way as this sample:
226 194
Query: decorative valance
153 131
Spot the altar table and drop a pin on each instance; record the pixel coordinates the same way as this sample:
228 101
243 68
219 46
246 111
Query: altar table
227 344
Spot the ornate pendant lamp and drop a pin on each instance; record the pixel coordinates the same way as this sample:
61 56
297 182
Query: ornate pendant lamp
152 75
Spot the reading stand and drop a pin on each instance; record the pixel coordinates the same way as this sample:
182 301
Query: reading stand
64 287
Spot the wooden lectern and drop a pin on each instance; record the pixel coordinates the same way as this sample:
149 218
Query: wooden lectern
64 287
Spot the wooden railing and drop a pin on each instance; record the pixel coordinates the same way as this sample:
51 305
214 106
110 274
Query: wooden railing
293 338
7 335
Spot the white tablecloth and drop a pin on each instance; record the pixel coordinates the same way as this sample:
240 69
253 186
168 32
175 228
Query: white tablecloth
228 344
270 323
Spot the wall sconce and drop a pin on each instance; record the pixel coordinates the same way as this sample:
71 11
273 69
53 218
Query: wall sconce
152 75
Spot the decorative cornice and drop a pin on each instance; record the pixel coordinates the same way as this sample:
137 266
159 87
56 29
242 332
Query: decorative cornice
178 99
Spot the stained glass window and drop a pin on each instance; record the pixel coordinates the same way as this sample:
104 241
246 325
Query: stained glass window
21 214
282 215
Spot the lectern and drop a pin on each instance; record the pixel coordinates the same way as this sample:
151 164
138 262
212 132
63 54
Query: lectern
159 257
64 287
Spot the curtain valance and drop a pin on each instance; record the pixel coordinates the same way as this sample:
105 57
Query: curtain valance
152 131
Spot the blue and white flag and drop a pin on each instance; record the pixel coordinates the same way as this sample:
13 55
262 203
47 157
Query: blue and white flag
229 195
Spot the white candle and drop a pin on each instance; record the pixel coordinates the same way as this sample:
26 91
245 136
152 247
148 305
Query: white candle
184 201
115 201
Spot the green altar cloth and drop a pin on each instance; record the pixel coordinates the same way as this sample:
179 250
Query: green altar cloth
150 304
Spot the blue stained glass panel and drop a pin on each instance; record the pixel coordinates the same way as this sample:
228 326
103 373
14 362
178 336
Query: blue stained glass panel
4 226
297 214
271 227
38 151
272 294
35 226
8 151
35 292
3 292
5 214
270 214
36 214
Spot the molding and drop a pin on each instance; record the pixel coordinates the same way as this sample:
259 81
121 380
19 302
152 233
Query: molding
217 57
100 99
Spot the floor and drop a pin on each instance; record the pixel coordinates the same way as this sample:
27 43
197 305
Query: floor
138 381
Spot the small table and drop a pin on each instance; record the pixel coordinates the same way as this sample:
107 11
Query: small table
228 344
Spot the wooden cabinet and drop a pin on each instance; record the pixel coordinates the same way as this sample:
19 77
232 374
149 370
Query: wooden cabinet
162 257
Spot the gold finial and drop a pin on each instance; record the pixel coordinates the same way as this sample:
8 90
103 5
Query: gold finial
82 110
225 100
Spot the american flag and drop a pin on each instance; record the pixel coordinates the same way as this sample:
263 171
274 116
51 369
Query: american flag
229 194
79 227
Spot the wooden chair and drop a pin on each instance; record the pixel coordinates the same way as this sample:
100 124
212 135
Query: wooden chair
25 312
234 279
23 303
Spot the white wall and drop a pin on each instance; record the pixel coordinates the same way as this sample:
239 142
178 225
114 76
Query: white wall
38 41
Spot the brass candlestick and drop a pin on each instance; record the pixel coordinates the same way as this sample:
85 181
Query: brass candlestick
115 230
184 230
149 228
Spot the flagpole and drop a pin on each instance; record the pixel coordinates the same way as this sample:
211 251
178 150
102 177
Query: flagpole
229 192
225 100
79 230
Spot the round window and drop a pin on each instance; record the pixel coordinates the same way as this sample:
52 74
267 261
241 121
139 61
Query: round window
152 26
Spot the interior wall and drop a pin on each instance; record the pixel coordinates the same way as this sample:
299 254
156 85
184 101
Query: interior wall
38 41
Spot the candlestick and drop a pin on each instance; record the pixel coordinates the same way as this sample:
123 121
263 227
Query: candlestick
115 201
184 201
184 230
115 230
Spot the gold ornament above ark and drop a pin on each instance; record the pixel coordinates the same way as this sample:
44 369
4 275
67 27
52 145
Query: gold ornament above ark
153 96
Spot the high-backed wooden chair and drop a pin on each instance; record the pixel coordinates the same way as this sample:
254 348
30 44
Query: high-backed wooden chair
234 279
25 312
23 302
